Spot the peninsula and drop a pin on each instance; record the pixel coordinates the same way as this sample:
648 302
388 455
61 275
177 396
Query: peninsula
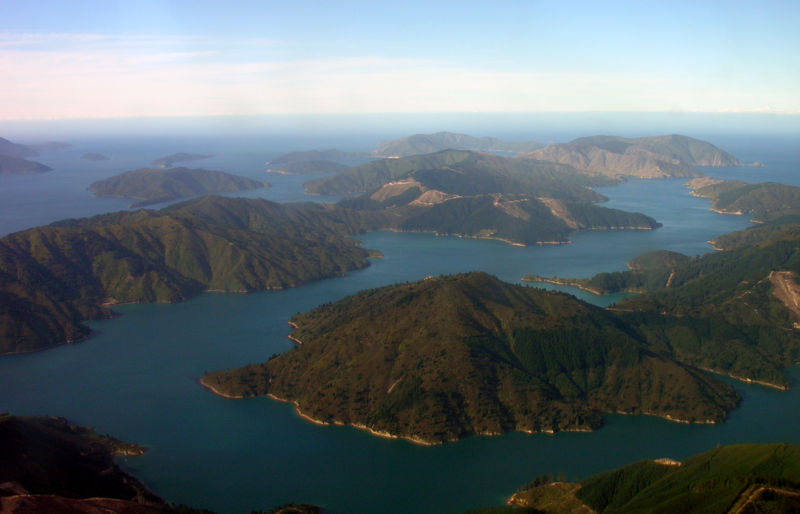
15 165
735 312
767 201
55 277
449 357
49 465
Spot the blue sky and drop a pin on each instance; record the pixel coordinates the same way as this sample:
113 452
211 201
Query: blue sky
82 59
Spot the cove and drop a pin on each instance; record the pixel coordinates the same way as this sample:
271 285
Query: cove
136 378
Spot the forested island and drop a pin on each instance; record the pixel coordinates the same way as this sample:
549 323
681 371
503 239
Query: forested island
449 357
155 185
645 157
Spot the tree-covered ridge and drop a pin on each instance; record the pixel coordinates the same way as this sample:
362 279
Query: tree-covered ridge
375 174
734 311
429 143
645 157
735 478
52 278
155 185
767 201
454 356
482 195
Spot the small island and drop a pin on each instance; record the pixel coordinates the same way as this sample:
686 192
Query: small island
169 160
455 356
96 157
153 185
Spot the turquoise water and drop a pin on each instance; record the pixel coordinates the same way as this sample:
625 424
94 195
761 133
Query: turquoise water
137 379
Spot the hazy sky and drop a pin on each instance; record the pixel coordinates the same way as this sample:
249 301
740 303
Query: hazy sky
96 59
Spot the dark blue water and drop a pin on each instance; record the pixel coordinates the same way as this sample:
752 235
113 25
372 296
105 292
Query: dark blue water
137 377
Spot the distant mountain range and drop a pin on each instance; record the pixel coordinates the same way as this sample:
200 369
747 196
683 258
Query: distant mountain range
450 357
644 157
430 143
472 194
151 185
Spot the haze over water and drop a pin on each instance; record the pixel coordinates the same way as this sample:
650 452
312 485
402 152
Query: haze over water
137 377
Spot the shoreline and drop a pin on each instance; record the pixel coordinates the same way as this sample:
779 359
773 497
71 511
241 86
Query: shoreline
564 282
746 380
424 442
216 391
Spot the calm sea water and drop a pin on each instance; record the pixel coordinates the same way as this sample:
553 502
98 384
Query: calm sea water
137 378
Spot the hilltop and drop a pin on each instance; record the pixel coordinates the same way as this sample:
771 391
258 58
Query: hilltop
54 277
430 143
450 357
153 185
736 478
646 157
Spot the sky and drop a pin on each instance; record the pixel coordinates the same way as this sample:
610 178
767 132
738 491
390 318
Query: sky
120 59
